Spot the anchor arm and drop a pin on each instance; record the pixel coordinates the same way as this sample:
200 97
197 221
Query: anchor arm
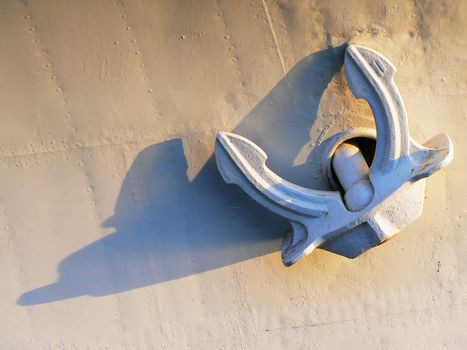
242 162
370 76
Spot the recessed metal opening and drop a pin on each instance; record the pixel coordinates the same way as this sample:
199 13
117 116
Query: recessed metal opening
366 145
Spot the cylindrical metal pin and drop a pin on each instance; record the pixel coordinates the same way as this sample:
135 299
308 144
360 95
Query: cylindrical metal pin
352 171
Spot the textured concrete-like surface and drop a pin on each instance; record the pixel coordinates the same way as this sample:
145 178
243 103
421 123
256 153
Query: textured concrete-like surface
108 115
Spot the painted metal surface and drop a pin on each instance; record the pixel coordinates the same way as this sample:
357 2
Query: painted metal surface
116 229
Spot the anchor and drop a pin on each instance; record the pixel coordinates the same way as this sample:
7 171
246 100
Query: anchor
369 204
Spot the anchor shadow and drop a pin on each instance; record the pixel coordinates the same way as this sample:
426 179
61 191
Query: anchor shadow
167 227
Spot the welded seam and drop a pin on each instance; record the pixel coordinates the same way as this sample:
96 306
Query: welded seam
279 54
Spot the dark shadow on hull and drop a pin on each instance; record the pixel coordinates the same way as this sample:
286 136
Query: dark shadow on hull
168 228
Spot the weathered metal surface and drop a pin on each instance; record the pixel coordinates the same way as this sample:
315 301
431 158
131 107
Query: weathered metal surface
116 228
378 205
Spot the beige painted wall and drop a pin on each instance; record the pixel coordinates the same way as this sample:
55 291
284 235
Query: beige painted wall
116 231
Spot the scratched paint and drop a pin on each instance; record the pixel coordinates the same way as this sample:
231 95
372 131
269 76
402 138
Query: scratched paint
116 230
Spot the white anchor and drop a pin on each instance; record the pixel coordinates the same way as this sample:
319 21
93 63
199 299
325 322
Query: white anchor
376 202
